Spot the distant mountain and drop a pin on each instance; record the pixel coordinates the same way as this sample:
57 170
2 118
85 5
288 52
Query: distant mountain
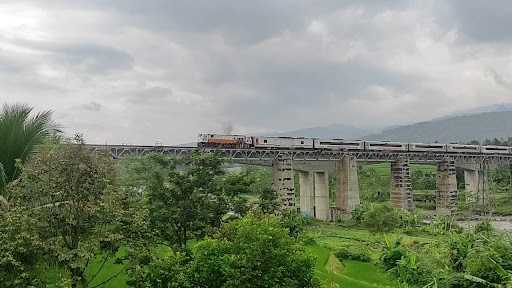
462 128
501 107
331 131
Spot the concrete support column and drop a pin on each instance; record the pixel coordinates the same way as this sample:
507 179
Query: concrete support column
446 196
347 194
322 196
307 186
476 185
282 182
485 198
401 188
471 181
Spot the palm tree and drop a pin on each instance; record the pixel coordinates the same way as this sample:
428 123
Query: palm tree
21 131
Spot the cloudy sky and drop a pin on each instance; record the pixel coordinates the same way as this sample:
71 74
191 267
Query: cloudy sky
132 71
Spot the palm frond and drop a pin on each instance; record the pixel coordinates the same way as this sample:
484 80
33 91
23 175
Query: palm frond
20 132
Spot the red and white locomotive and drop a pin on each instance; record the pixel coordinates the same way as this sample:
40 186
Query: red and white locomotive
224 141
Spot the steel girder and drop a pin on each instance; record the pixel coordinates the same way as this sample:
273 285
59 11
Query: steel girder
258 155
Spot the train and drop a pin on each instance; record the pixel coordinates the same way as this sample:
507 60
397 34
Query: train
274 142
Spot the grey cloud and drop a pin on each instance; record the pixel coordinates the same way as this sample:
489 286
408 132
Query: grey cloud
166 69
238 22
482 20
149 96
83 56
93 58
499 80
92 106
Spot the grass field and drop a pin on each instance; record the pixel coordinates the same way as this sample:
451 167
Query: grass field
353 274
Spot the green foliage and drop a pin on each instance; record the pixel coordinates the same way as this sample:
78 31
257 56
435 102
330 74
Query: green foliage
259 179
184 204
392 254
484 227
345 254
253 252
69 193
441 225
20 132
268 202
374 183
359 212
160 272
423 179
381 218
294 222
20 250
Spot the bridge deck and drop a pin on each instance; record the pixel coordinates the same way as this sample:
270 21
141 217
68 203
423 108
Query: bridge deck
119 151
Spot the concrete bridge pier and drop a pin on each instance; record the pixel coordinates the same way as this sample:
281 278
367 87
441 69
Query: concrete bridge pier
477 184
322 211
347 194
446 196
401 187
282 182
471 181
307 193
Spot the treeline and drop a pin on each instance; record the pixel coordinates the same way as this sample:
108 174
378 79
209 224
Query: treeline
170 223
67 213
495 141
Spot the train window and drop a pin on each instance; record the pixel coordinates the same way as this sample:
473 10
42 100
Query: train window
496 148
301 142
386 145
429 146
340 143
466 147
265 141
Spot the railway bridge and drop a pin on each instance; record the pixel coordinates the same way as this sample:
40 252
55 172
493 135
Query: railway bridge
315 166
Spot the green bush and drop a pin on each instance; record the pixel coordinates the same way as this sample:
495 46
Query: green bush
294 222
392 253
345 254
358 213
381 218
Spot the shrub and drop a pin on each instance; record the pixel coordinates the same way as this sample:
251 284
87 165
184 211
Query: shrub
358 213
345 254
294 222
409 219
392 253
255 251
381 218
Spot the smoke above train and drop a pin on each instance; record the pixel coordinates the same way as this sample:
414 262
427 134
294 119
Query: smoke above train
269 142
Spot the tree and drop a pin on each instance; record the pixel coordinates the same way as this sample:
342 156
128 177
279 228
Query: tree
186 204
268 202
20 250
253 252
70 193
20 132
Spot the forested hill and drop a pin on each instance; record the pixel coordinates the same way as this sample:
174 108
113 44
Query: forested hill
462 128
331 131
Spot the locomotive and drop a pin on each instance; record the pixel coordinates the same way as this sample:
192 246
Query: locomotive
274 142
